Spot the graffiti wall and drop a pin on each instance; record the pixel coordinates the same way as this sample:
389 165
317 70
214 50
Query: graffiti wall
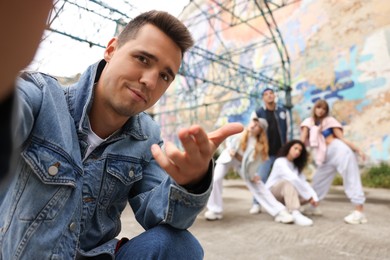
339 51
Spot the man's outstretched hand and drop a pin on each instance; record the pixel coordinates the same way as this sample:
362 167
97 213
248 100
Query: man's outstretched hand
189 166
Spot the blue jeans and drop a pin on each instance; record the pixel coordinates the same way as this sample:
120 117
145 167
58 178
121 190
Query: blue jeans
162 242
264 171
265 168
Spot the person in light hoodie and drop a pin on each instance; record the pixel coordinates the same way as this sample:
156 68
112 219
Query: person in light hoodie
287 182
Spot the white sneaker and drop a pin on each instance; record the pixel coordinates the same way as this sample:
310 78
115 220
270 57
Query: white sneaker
356 217
209 215
312 211
256 209
284 217
300 219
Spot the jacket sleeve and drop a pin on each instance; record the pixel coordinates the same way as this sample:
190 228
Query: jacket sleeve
254 115
28 104
250 165
157 199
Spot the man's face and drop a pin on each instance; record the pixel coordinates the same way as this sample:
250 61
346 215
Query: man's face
137 73
269 96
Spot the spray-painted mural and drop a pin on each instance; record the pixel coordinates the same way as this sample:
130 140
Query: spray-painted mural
342 55
339 51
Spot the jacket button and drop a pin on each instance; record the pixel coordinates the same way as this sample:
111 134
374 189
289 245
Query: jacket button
131 173
72 226
53 170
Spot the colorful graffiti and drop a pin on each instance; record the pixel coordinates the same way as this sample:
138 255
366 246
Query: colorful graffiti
358 92
339 51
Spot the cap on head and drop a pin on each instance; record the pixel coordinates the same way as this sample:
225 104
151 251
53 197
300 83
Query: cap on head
262 122
266 89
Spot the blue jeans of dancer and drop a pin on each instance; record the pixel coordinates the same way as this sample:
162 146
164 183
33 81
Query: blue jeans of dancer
264 171
162 242
265 168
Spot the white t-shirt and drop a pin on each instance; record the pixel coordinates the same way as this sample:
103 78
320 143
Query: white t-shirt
93 141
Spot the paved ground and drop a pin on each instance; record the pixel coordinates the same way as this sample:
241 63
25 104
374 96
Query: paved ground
243 236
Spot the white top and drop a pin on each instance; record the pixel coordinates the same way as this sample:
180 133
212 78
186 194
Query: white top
283 169
249 165
93 141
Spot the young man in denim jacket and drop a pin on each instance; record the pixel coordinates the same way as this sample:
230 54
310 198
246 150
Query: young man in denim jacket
87 149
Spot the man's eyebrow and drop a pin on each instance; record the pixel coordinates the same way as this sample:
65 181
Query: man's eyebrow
151 56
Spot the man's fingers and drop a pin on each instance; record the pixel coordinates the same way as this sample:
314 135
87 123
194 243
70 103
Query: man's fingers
163 160
219 135
197 141
191 164
188 142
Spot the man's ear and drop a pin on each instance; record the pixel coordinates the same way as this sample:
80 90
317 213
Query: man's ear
110 49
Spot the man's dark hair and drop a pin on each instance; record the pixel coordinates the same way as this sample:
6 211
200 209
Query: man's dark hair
166 22
299 162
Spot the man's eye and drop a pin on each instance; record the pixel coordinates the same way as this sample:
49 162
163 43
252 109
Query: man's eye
142 59
165 77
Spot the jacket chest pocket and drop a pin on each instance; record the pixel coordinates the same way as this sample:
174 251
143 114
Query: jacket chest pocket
120 175
51 164
126 171
47 180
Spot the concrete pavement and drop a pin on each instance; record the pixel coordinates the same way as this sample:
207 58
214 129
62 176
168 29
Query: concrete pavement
240 235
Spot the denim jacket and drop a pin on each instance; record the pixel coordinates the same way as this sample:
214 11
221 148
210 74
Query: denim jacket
59 204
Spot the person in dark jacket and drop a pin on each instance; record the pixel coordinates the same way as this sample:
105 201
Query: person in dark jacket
278 131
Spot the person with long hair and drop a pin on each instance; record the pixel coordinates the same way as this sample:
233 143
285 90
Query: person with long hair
287 182
244 152
333 154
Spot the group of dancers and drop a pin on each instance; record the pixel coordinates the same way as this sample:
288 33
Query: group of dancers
286 189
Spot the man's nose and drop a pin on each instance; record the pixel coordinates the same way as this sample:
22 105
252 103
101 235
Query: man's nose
149 79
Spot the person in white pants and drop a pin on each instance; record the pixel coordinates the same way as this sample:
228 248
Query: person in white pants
333 153
244 152
287 182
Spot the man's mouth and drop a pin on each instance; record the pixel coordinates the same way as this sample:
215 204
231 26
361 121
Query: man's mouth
140 96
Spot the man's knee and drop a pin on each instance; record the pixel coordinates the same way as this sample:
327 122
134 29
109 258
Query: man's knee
162 242
176 237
